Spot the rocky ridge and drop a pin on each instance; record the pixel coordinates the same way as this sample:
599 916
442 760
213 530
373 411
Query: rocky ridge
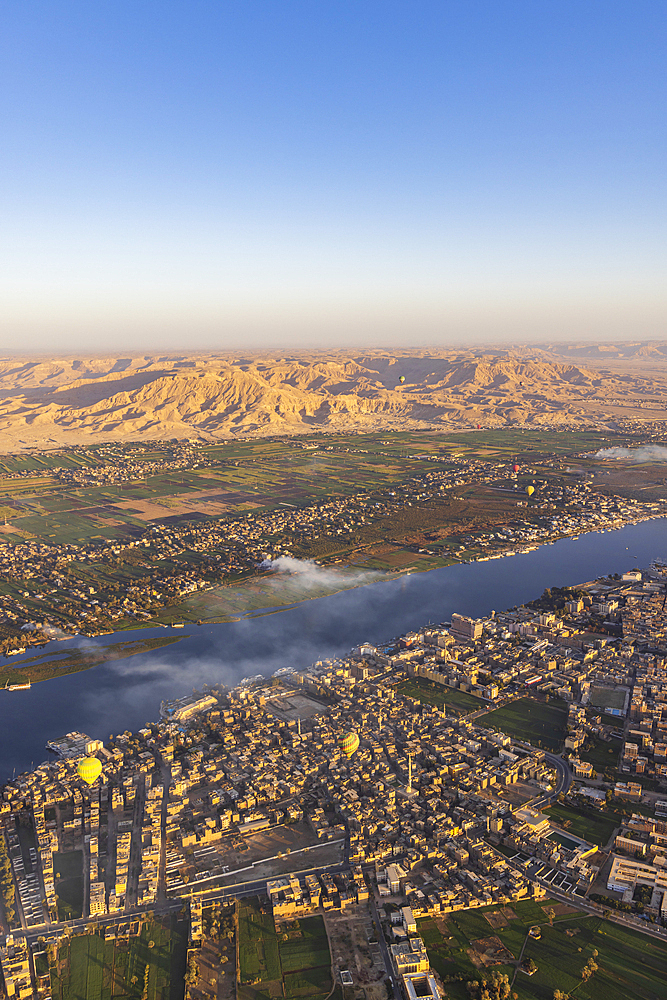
77 400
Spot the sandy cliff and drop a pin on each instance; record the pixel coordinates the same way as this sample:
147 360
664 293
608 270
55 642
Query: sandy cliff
77 400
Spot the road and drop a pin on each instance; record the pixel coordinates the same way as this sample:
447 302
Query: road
592 909
564 773
383 944
219 894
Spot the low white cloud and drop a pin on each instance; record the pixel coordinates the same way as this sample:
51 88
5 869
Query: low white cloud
307 575
645 453
54 632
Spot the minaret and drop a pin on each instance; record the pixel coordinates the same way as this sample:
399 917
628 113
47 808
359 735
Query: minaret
298 724
409 772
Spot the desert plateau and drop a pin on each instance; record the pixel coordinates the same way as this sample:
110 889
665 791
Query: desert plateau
69 400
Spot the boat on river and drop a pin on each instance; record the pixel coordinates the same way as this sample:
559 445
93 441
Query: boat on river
25 686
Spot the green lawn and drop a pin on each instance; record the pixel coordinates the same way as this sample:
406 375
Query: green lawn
294 963
605 698
541 723
593 826
439 695
602 755
68 875
90 968
259 960
631 965
309 949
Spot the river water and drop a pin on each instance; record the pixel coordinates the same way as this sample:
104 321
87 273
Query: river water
125 694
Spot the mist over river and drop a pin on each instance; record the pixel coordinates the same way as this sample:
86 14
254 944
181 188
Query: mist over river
125 694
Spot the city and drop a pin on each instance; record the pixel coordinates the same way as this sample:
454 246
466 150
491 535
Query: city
515 765
333 500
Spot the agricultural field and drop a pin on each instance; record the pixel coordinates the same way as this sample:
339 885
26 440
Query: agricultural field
590 824
293 961
253 475
150 965
457 702
630 964
68 875
262 475
458 944
603 755
464 945
542 724
259 959
206 515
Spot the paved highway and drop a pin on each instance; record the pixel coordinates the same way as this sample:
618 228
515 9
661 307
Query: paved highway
562 785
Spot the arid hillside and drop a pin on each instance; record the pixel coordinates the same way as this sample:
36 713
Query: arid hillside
72 400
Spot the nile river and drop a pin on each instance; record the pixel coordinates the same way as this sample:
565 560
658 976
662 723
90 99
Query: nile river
125 694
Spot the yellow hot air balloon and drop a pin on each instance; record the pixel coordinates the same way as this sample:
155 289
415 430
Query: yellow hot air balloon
89 768
349 744
530 490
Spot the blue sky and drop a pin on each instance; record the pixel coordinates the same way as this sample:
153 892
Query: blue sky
311 174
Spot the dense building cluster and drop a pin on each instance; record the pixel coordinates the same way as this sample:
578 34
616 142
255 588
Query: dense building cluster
435 811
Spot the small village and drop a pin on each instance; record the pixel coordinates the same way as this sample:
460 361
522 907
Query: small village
58 588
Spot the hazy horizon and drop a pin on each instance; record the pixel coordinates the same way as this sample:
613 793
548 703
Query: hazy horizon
309 176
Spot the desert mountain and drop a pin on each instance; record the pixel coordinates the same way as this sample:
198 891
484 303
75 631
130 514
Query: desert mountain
77 400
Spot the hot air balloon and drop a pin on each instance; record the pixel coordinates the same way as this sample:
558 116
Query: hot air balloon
515 467
530 490
402 379
349 744
89 768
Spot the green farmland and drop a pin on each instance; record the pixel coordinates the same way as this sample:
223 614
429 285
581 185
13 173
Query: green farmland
293 963
68 874
259 960
591 824
630 964
257 475
602 755
539 723
89 968
439 695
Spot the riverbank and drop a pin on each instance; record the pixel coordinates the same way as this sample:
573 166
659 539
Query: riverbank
125 693
46 666
301 580
267 594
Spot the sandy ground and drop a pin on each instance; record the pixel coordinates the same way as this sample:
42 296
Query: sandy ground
350 935
245 857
